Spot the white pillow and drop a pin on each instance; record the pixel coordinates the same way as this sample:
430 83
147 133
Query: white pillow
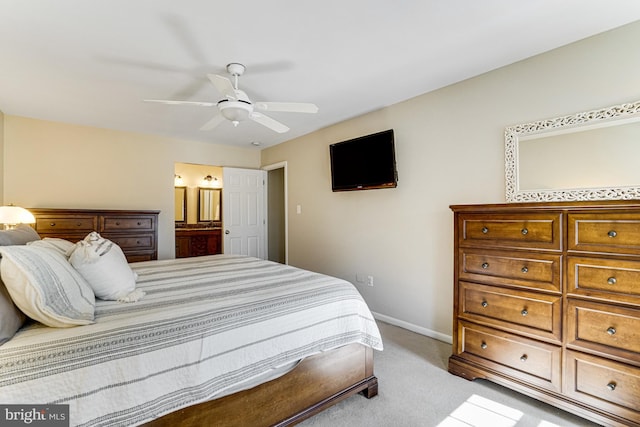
103 264
45 286
63 246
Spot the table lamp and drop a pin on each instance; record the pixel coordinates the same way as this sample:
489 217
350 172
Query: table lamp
11 215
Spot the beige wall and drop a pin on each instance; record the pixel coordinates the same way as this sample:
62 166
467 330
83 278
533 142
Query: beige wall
450 150
48 164
1 155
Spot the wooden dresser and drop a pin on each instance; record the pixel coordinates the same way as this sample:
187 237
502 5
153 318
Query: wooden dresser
135 231
198 242
547 302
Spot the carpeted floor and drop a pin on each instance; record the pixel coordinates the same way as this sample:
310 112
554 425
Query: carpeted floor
415 389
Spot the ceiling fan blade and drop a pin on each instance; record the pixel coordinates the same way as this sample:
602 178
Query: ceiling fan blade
268 122
223 85
289 107
170 102
215 121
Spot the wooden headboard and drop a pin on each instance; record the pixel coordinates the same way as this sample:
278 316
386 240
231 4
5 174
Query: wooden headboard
135 231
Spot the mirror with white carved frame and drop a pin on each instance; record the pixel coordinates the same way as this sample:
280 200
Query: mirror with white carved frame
591 155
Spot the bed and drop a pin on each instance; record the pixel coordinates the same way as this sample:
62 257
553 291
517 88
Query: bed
216 340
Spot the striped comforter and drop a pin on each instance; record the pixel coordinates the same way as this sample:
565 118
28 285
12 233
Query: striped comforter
206 326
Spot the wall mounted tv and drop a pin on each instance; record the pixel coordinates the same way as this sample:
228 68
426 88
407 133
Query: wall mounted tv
364 163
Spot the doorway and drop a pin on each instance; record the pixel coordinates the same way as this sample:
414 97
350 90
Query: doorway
277 225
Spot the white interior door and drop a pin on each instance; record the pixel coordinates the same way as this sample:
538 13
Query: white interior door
243 206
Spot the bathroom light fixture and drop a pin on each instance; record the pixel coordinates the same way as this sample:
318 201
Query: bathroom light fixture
209 181
11 215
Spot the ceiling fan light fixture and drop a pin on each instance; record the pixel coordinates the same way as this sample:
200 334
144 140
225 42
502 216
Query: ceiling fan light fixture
235 111
236 106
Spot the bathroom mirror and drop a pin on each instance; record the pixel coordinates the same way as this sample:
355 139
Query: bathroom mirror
181 205
209 204
591 155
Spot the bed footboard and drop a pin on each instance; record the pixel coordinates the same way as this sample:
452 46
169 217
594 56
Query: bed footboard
315 384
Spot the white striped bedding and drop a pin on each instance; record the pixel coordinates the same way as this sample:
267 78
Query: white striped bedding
206 325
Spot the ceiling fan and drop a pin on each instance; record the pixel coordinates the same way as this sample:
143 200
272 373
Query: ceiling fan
236 105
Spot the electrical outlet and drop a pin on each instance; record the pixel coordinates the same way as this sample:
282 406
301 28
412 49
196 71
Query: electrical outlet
369 280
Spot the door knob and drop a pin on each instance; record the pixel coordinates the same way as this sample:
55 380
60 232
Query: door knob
226 232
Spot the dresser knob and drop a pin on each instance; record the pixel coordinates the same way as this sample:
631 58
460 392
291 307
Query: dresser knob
485 304
611 330
524 269
524 312
611 386
52 224
483 345
524 231
523 358
612 233
485 230
485 265
117 222
139 223
611 280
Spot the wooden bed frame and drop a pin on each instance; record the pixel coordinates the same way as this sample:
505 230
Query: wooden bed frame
315 384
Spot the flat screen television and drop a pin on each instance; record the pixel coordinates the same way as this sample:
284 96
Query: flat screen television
364 163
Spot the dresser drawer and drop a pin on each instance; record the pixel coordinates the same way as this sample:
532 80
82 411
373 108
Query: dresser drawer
129 242
59 224
607 233
533 361
522 269
124 223
611 386
516 230
604 278
538 315
139 257
604 328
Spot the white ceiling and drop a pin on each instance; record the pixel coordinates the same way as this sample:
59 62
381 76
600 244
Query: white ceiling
93 62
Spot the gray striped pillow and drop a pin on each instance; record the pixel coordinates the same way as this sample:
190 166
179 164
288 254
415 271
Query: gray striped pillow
11 319
45 286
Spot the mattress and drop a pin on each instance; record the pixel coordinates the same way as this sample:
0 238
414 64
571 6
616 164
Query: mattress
207 326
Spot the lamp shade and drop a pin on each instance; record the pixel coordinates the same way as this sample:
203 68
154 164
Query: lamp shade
12 215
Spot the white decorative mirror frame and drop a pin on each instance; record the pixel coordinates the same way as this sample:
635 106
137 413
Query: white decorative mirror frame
598 119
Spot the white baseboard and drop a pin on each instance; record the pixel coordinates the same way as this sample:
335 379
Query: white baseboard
414 328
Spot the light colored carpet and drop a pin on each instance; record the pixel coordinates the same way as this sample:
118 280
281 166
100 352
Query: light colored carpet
415 389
